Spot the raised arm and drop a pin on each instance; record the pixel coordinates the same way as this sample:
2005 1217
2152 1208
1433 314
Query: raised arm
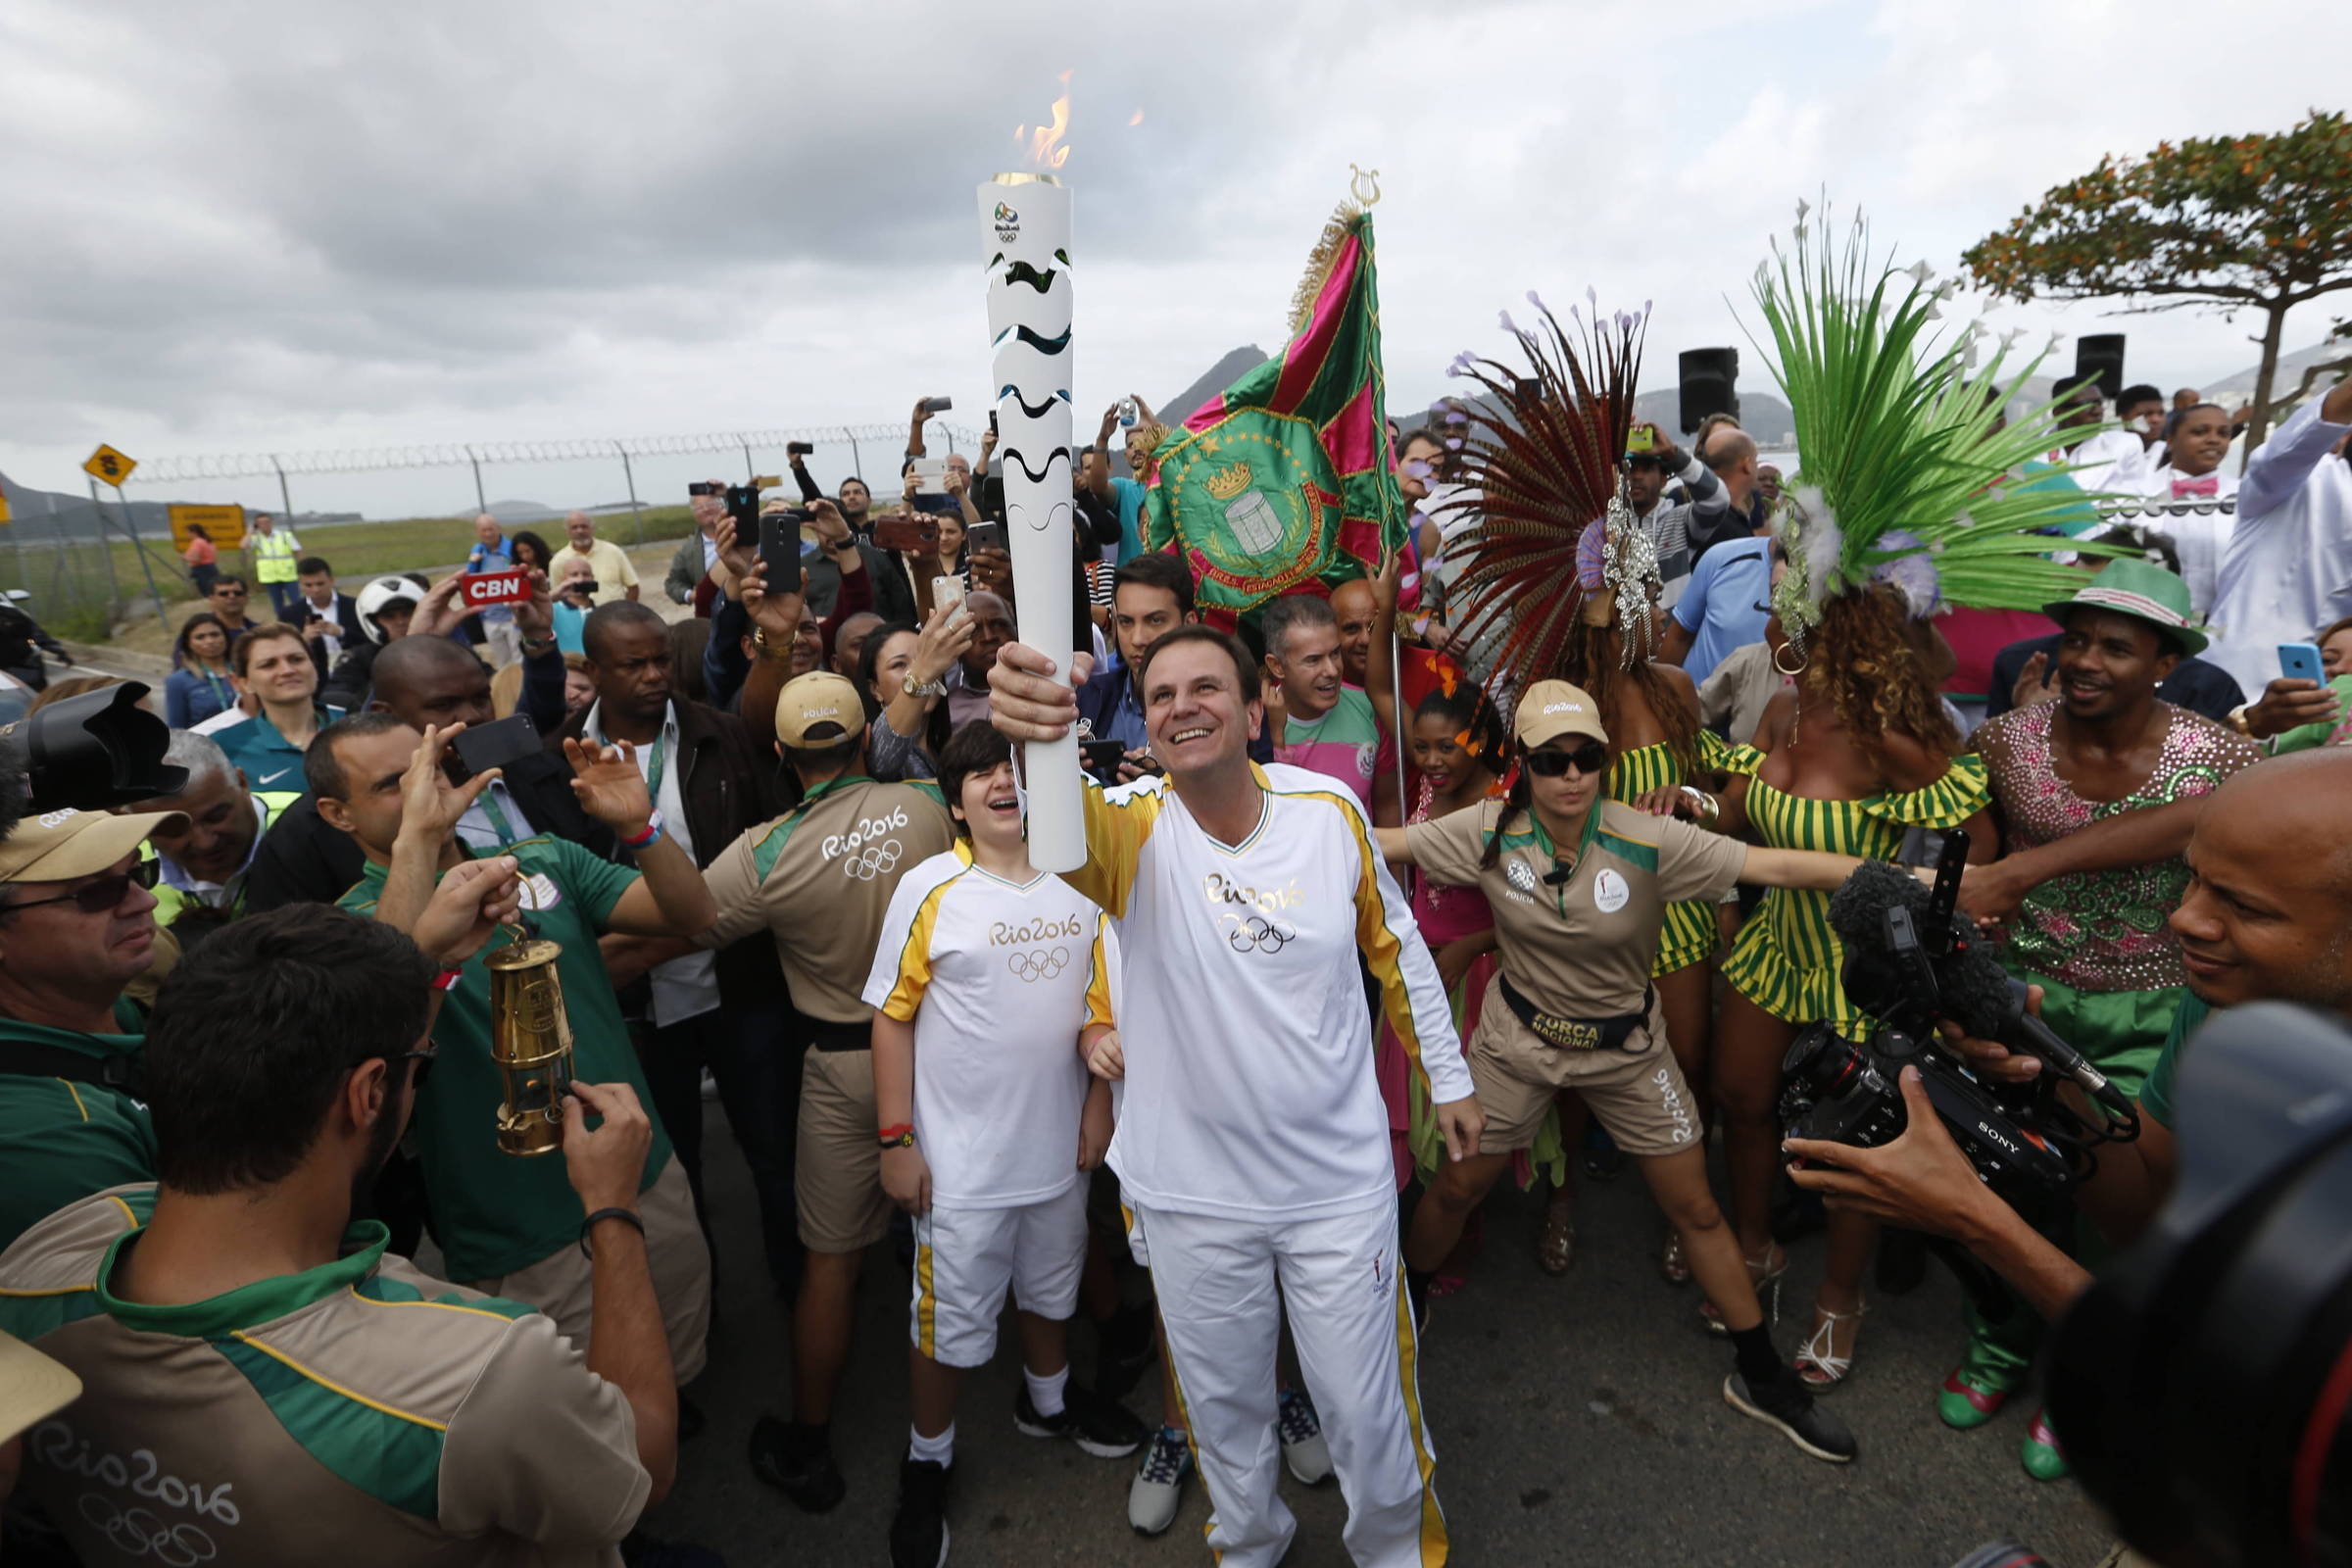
668 898
2282 465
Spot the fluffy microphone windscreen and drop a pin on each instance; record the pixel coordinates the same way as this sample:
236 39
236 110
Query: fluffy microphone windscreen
1974 987
1858 909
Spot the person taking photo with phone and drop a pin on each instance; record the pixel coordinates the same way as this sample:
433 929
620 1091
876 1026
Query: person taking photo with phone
509 1226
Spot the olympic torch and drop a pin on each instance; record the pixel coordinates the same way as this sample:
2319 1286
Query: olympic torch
1025 236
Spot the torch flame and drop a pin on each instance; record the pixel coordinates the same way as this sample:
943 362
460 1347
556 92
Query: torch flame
1046 149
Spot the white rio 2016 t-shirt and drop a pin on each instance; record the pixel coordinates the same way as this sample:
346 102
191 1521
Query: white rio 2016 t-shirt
1250 1092
997 978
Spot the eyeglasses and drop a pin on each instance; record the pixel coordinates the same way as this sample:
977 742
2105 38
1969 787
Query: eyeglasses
423 1056
1590 758
99 896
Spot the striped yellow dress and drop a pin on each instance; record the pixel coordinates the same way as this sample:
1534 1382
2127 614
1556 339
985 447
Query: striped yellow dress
1690 934
1786 959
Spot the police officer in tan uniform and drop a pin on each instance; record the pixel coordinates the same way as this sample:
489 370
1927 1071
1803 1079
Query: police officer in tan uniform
1580 884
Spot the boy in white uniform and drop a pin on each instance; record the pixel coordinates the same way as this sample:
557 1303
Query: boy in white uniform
1254 1146
987 972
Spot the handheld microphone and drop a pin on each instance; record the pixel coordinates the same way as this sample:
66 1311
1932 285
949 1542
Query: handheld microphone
1970 986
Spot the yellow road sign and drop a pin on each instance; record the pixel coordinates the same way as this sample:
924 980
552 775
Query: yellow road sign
4 518
109 466
223 525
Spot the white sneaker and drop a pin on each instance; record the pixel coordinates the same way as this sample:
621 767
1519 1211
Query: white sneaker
1304 1453
1158 1490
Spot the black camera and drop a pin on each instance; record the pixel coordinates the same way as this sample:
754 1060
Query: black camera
89 753
1911 960
1842 1093
2204 1385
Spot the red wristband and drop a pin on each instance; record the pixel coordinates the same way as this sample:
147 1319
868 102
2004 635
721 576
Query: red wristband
900 1135
447 979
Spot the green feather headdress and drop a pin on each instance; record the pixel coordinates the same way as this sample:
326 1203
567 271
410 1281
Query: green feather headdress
1908 474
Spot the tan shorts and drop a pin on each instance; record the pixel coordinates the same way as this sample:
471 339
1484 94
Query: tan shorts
837 1167
675 1249
1637 1095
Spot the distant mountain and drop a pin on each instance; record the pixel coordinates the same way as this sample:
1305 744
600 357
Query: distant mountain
1235 363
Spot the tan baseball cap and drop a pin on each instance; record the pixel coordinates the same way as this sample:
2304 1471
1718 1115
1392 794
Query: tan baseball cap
33 1387
59 846
1550 708
816 710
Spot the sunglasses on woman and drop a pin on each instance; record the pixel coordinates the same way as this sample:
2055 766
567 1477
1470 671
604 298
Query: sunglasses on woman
99 896
1590 758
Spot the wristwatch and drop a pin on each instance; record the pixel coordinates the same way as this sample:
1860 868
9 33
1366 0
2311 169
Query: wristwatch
934 687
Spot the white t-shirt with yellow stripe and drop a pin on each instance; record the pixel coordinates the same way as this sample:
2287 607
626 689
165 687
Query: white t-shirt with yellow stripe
1251 1090
997 978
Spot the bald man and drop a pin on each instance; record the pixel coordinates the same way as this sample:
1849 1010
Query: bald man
1729 454
1352 603
608 564
492 553
2266 919
423 680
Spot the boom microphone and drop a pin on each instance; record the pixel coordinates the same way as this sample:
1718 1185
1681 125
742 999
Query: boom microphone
1891 924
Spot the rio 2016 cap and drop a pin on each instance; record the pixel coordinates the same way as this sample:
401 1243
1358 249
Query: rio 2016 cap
1550 708
61 846
816 710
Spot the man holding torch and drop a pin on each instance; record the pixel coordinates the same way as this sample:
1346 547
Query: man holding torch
1253 1148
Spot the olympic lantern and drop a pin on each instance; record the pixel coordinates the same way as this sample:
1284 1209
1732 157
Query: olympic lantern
1025 236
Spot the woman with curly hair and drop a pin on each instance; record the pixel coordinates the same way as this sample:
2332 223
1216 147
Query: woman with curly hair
1905 503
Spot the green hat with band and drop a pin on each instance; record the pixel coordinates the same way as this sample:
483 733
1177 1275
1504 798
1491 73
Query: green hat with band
2143 591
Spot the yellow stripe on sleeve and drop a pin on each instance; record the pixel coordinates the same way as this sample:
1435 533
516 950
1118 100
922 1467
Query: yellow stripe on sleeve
1098 985
914 958
1117 823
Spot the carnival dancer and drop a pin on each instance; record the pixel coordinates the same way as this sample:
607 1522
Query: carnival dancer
1904 504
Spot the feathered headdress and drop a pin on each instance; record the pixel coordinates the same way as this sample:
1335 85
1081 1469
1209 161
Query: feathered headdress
1541 462
1907 467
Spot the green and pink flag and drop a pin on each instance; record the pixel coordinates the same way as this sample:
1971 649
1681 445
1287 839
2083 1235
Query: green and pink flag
1285 483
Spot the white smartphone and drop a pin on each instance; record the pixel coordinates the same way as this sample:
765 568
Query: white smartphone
945 591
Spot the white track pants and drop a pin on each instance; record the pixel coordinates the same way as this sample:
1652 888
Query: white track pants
1222 1285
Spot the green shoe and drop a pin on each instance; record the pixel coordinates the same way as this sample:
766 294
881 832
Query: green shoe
2039 1453
1969 1400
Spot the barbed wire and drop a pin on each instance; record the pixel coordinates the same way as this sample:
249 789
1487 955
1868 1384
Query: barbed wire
374 460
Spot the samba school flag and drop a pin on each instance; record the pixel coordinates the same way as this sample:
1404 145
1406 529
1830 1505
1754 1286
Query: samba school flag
1286 482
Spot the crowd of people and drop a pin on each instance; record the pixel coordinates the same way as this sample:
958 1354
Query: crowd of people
1390 891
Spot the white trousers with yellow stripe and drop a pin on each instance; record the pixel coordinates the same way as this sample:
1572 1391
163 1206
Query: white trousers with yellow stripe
1222 1285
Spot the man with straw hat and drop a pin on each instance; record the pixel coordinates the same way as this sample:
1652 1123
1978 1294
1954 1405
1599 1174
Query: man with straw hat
2090 925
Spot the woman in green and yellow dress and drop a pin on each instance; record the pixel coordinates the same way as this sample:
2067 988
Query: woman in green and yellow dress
1859 753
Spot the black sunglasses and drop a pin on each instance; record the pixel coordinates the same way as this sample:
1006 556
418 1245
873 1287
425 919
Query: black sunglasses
99 896
1590 758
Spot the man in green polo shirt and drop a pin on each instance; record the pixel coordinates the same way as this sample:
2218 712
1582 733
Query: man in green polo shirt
2268 918
76 925
506 1224
261 1382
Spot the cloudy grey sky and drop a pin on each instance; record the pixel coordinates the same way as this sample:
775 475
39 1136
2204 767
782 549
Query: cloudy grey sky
274 225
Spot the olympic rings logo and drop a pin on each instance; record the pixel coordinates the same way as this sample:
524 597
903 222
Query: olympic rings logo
1042 965
1258 934
875 860
140 1533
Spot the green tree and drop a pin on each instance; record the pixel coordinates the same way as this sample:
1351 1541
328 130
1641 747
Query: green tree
2226 223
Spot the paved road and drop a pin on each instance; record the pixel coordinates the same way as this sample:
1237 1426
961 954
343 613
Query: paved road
1577 1420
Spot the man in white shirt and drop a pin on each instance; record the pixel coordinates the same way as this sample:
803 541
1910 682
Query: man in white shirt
1253 1150
615 576
2287 568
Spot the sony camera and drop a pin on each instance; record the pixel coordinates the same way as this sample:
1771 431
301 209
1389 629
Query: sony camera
1911 960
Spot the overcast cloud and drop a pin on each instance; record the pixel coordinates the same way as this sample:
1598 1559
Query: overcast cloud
287 226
